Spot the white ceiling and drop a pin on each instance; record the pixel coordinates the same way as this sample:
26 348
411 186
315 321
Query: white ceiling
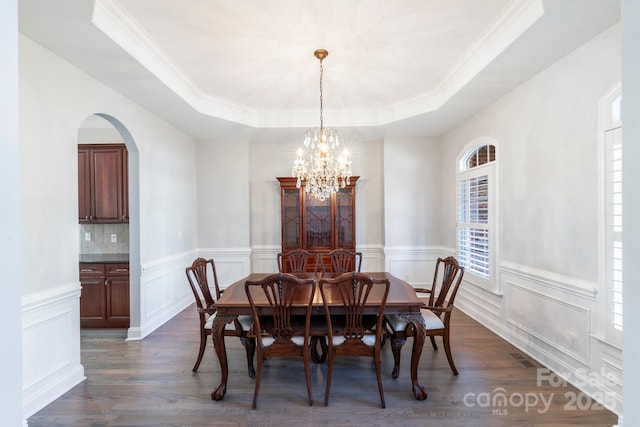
407 67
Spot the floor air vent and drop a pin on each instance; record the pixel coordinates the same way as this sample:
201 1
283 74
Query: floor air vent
523 359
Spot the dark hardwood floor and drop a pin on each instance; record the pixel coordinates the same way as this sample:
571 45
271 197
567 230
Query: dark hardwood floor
150 383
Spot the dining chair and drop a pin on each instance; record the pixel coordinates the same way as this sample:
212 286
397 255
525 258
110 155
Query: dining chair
441 298
199 274
277 303
345 261
356 332
296 260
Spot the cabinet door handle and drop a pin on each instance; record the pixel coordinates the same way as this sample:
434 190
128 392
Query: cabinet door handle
106 282
120 270
86 270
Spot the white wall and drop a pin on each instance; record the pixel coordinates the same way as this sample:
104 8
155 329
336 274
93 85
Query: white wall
58 97
631 209
368 164
270 155
223 207
10 318
55 98
96 135
412 192
223 194
548 158
547 131
387 207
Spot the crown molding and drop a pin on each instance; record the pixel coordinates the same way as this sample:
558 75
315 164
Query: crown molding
110 17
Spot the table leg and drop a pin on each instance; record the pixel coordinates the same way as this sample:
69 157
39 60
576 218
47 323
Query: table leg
217 333
419 336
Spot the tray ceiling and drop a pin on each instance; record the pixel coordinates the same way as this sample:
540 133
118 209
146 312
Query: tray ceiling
397 65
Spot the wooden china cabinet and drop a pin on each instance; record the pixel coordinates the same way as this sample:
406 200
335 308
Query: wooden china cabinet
315 225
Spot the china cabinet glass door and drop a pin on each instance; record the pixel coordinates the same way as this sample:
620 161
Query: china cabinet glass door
290 219
317 223
345 215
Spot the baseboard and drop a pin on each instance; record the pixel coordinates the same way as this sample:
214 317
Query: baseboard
48 390
159 318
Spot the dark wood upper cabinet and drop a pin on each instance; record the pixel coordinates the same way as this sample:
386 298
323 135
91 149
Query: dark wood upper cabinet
102 183
314 225
125 185
84 184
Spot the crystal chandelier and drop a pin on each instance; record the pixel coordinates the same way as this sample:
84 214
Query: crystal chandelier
327 170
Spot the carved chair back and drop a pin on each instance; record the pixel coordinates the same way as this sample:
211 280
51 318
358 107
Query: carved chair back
295 261
345 261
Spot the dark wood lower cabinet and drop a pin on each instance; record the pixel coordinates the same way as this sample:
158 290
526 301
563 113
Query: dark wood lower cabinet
104 299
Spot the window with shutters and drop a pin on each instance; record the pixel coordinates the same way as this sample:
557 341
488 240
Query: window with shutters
611 155
476 212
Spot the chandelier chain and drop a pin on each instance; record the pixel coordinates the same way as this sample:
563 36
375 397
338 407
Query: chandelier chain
321 116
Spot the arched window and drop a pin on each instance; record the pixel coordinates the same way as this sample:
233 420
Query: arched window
480 156
476 212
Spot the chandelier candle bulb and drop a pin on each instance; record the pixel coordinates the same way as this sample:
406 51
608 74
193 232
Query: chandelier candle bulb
327 171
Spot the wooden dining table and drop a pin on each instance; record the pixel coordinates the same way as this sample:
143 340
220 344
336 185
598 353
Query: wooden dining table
402 300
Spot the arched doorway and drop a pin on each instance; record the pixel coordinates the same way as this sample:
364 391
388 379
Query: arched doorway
101 128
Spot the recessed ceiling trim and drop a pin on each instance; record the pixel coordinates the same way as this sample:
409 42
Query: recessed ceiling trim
110 17
508 26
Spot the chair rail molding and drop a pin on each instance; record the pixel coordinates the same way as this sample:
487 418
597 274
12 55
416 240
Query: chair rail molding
158 264
552 281
373 258
264 258
231 263
413 264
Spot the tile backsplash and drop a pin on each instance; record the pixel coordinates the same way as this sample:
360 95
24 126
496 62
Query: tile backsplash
100 238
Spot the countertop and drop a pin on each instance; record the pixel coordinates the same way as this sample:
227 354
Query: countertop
104 258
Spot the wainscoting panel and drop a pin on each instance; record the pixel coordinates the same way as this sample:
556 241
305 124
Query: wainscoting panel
50 346
480 302
264 259
231 264
159 292
372 257
164 292
562 327
551 318
414 265
605 377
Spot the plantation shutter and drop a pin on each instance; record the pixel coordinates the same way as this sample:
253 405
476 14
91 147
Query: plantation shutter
613 161
473 224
